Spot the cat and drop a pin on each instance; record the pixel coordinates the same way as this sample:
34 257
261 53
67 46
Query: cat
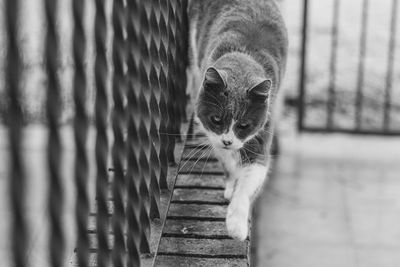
238 51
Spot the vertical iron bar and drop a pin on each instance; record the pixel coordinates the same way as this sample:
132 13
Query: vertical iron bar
333 60
173 75
56 192
179 63
183 53
150 90
146 119
80 131
16 174
173 117
155 137
118 123
361 64
156 92
303 66
134 204
140 178
102 149
144 128
390 66
164 136
185 60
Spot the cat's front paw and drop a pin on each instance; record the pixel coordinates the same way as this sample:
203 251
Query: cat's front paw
237 221
228 192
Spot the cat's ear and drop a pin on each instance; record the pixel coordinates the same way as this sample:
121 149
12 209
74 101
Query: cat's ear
260 92
214 79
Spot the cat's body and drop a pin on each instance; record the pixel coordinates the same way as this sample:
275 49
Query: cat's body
238 53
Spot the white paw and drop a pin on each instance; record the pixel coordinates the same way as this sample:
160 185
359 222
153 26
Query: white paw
237 222
229 188
228 192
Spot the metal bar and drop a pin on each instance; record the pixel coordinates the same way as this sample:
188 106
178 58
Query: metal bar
80 131
184 33
163 103
156 92
350 131
153 96
180 62
303 66
361 64
56 192
174 50
146 147
145 118
390 66
185 60
134 204
139 179
154 129
102 142
17 178
118 122
333 60
170 74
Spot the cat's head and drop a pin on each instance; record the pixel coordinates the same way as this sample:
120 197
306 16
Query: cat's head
233 102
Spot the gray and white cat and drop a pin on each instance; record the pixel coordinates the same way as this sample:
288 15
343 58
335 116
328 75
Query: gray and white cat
238 54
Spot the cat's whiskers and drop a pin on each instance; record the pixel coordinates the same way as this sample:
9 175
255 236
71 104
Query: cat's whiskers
191 154
172 134
256 153
264 156
209 154
268 132
203 154
247 156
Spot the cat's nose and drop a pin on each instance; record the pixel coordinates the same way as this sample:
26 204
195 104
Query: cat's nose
226 142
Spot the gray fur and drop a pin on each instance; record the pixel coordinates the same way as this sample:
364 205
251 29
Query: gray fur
246 42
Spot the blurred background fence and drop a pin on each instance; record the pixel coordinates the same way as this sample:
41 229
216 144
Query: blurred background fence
349 67
130 62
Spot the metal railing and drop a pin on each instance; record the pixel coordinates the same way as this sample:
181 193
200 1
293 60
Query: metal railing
338 98
148 101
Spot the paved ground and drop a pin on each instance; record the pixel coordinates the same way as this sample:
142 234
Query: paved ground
333 201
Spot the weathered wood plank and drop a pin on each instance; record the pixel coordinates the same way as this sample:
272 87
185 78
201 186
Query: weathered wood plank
92 260
199 180
93 245
178 261
201 167
206 247
195 228
110 207
198 211
92 227
199 195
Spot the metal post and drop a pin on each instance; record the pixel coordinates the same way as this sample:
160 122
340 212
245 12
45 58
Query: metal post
17 178
303 66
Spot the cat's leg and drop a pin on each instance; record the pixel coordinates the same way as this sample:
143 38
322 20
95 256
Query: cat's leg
250 180
229 161
230 182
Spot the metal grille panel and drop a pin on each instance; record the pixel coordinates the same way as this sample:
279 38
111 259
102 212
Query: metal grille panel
330 101
137 119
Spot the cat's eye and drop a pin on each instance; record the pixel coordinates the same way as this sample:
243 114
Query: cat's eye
216 119
243 125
